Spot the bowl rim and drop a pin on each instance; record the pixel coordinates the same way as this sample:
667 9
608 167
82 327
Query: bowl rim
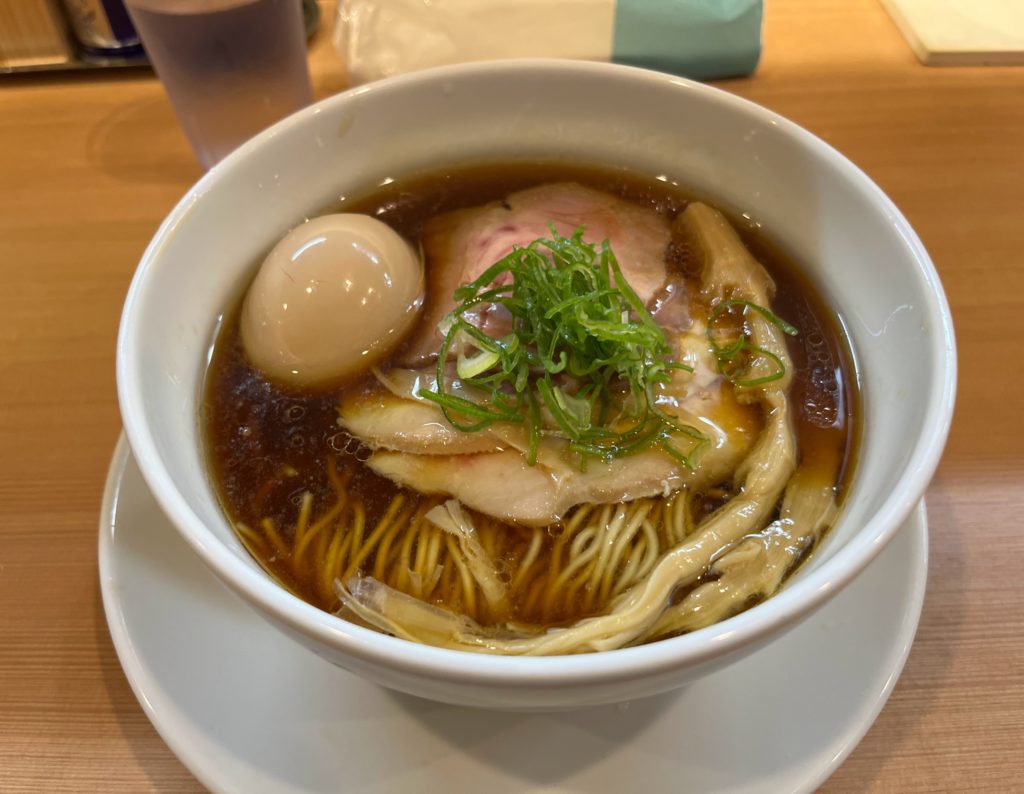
793 602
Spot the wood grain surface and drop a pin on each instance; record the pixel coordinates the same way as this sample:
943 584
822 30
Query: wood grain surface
89 165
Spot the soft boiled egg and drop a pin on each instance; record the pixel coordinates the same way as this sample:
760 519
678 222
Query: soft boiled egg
333 296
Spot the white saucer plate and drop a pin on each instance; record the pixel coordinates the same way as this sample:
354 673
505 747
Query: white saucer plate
248 710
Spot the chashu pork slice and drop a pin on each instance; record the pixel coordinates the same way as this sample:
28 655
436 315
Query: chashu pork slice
498 482
393 416
501 484
382 420
461 245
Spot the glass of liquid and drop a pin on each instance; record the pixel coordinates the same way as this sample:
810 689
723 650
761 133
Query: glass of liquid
230 67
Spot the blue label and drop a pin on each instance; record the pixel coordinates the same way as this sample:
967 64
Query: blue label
702 39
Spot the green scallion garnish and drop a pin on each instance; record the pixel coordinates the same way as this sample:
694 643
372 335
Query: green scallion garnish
736 357
583 349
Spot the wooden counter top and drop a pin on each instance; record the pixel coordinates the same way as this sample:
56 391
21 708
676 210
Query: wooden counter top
90 164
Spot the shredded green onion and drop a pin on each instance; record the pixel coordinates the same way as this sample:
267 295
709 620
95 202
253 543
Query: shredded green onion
583 349
735 359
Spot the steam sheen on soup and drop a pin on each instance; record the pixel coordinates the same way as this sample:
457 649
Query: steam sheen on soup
616 416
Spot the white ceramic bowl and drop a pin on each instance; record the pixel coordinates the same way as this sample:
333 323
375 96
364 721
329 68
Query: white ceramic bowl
857 248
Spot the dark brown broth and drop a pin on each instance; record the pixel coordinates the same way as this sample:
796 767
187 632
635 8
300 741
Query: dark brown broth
268 444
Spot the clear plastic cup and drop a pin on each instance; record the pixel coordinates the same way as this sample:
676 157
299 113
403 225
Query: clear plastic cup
230 67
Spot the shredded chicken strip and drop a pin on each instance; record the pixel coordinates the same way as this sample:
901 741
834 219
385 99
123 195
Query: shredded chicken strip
755 568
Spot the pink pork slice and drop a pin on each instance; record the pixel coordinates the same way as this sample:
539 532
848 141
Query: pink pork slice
461 245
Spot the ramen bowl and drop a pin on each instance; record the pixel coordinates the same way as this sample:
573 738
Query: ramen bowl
851 242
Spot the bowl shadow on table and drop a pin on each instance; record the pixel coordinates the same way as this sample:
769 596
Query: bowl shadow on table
931 658
140 142
539 749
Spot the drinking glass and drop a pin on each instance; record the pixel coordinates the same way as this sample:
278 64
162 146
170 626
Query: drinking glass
230 67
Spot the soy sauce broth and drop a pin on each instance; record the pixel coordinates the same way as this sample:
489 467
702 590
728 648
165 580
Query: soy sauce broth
268 445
